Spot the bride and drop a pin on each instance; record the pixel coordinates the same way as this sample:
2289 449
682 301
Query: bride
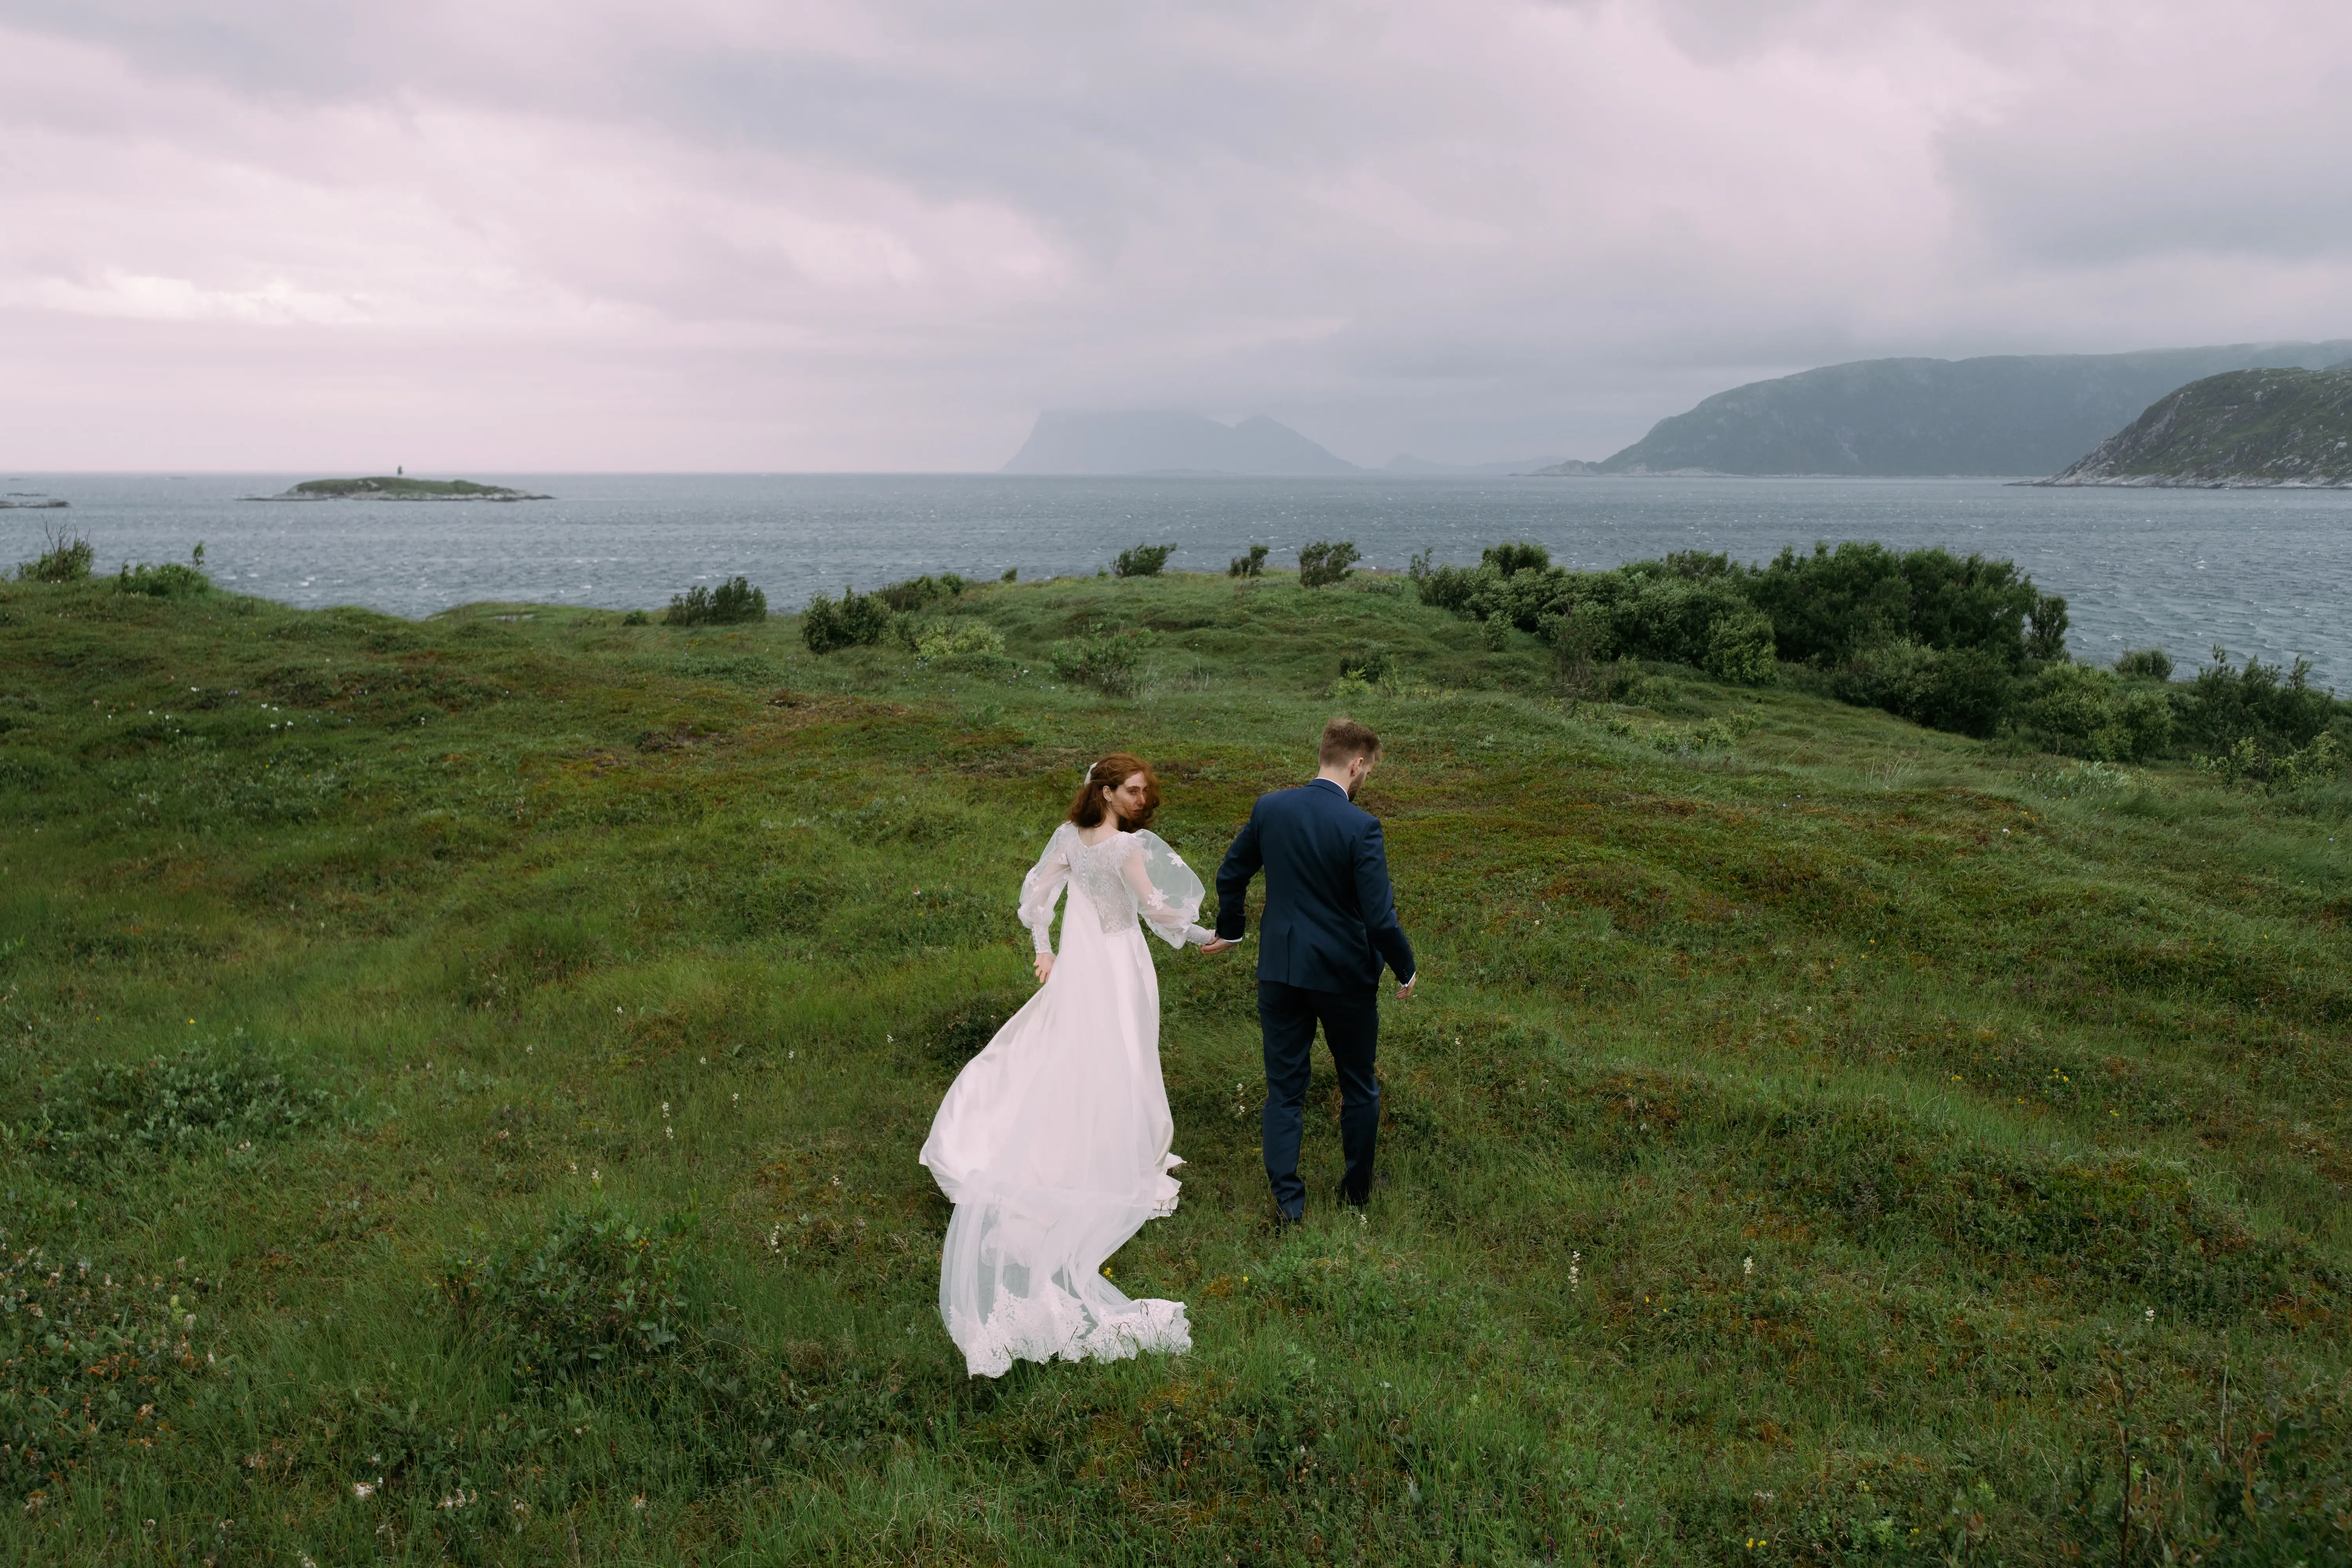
1053 1143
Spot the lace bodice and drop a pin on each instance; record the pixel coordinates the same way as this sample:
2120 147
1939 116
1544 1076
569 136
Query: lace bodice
1126 877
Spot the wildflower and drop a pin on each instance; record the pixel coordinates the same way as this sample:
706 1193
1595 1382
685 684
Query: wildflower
1746 1267
363 1490
2151 1315
638 1502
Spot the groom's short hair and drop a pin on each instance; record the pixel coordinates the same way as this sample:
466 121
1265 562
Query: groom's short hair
1344 738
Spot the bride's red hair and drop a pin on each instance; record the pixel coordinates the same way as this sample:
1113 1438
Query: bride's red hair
1107 774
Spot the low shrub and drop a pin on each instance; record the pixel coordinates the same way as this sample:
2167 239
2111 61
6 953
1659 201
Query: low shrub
857 620
93 1362
1144 560
2145 663
2079 711
1250 565
1740 648
636 618
2279 709
66 559
1514 557
102 1118
2249 765
593 1294
1370 666
954 645
1966 690
171 580
732 603
1323 563
919 593
1112 664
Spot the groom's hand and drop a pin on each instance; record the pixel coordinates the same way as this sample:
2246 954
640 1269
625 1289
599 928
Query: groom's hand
1219 944
1404 987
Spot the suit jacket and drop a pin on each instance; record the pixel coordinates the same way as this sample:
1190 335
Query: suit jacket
1330 917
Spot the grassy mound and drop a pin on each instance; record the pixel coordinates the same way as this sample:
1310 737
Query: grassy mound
466 1078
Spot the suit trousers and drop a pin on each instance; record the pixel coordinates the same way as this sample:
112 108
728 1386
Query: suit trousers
1286 1016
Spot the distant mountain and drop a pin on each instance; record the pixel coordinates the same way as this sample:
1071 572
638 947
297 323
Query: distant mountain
1151 443
2008 415
2249 427
1570 465
1405 463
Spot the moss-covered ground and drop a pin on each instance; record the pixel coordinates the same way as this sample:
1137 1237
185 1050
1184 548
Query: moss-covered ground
1816 1140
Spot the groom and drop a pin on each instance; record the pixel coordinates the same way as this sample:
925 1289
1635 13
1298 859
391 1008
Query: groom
1330 924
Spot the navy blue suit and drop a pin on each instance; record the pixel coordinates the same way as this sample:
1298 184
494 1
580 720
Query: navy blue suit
1329 927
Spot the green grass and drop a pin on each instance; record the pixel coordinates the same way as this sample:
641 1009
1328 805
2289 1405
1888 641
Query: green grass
482 1061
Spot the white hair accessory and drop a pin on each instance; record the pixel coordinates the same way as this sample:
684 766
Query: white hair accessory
1090 775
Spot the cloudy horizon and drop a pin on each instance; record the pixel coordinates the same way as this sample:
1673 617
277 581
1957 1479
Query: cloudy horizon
513 237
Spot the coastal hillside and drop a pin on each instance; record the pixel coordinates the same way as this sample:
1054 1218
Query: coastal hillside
461 1083
2008 415
2248 428
1156 442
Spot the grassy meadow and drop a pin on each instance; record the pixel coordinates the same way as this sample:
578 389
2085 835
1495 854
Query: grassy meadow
462 1081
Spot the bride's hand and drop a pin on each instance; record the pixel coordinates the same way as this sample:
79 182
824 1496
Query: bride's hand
1044 966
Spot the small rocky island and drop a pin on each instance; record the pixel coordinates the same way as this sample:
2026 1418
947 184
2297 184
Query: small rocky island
31 501
400 487
2248 428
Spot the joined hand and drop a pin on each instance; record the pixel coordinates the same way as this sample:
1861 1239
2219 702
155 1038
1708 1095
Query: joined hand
1219 944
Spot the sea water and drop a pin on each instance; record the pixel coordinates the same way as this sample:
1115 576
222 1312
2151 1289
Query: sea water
2264 572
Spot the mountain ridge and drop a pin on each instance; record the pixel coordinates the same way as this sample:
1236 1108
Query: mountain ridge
2273 427
2004 415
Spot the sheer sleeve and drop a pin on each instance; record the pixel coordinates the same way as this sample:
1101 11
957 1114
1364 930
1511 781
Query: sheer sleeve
1041 889
1167 893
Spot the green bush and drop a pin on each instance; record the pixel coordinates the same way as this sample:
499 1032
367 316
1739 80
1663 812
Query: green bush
636 618
1966 690
594 1294
967 645
2280 710
1828 606
1112 664
917 594
1144 560
1250 565
66 559
1740 648
858 620
733 602
2082 711
1517 556
2249 765
2145 663
1322 564
1370 666
171 580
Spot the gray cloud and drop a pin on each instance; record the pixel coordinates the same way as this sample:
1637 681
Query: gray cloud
883 235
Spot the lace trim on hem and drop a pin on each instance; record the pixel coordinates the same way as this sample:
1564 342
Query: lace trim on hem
1061 1328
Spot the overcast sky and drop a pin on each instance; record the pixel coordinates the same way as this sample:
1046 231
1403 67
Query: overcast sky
517 235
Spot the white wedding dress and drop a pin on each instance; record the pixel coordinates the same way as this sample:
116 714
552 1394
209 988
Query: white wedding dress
1052 1142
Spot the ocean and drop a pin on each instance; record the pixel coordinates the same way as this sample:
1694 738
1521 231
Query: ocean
2265 573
